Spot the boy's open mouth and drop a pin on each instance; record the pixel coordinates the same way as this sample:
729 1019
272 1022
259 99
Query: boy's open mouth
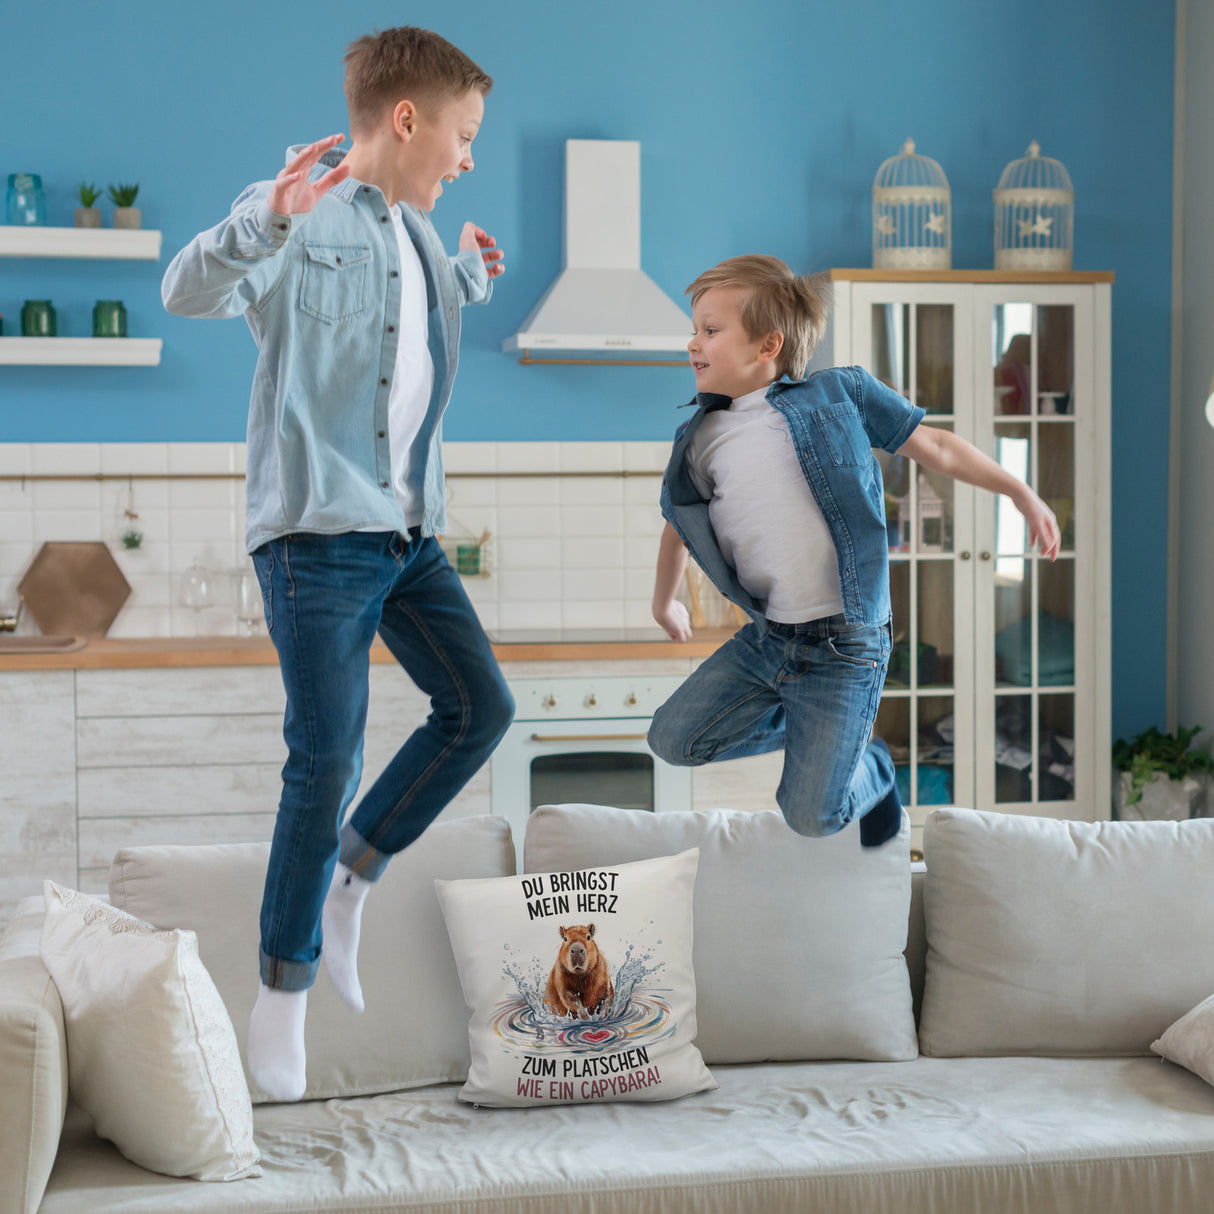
697 366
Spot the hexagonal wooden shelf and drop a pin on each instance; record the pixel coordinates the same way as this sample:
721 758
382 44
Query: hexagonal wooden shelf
74 588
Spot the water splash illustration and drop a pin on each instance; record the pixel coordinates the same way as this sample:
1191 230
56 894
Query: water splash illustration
636 1016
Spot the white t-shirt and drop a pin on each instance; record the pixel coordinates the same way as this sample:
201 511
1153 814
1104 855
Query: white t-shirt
765 516
413 375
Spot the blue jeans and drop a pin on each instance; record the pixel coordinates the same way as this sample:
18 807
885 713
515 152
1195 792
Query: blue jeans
325 599
812 689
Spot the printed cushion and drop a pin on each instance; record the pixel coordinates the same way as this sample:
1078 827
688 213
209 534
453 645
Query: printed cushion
1060 937
152 1056
580 984
404 959
1190 1041
799 949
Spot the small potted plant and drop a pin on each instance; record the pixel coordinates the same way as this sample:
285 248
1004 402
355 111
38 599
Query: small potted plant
126 214
1161 775
87 215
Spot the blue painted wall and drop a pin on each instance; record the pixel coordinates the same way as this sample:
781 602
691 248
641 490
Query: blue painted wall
761 129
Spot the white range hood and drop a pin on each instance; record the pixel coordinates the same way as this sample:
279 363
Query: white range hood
602 300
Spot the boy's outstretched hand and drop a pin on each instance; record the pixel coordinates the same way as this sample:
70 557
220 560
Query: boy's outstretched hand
473 237
293 193
1043 526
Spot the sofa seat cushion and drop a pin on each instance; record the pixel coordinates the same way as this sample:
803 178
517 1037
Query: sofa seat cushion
999 1135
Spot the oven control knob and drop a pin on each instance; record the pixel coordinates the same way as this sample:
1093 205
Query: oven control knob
591 701
630 699
548 702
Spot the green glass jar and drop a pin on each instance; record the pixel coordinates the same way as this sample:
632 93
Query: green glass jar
38 318
109 318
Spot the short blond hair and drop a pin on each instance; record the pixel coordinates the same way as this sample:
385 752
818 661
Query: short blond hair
388 66
775 299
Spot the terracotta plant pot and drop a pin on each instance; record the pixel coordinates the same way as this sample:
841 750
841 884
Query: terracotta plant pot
88 217
128 217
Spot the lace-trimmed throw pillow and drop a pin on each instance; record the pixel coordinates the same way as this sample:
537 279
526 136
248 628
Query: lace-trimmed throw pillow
152 1056
580 984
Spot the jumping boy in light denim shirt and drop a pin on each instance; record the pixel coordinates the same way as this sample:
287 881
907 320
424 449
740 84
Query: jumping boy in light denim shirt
773 487
355 308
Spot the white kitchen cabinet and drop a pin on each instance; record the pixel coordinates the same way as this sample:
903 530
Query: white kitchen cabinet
998 690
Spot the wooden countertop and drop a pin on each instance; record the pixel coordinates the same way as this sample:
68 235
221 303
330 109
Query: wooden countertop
114 654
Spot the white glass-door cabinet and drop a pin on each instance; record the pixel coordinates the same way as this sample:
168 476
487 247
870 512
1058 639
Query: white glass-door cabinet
997 695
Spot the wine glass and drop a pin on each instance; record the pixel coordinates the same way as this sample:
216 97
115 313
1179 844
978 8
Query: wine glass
249 609
197 592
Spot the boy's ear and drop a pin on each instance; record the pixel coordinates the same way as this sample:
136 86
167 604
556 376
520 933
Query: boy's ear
773 343
404 118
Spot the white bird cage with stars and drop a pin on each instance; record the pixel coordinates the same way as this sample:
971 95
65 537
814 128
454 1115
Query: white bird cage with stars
912 214
1034 214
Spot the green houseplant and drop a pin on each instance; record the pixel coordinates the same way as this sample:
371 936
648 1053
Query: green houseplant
1160 775
126 214
87 215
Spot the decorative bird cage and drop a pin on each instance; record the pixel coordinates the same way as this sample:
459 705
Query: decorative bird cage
929 517
1034 214
912 214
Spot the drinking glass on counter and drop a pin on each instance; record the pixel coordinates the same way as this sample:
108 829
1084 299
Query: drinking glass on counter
249 609
197 592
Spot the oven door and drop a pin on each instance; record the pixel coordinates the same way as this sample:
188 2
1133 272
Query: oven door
599 762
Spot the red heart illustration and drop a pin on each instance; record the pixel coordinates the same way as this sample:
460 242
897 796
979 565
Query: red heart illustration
599 1035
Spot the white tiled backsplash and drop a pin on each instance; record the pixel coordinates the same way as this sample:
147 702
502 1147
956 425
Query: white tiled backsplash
565 551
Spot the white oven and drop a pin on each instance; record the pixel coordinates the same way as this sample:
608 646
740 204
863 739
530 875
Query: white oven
582 738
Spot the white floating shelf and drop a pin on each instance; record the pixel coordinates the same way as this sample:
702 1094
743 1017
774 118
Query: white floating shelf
135 244
80 351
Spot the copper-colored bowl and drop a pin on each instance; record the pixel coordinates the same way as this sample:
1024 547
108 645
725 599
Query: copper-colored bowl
74 589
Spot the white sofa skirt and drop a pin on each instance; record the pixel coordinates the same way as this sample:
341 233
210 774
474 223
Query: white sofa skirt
958 1135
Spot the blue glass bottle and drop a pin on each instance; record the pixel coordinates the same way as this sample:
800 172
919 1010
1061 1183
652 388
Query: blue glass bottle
26 203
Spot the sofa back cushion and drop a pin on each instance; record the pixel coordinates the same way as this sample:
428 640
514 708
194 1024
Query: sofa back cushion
798 948
1063 938
33 1063
414 1029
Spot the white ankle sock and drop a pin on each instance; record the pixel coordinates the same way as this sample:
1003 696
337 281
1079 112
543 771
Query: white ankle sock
277 1060
340 923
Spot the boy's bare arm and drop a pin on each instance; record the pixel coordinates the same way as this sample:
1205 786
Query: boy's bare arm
943 451
672 564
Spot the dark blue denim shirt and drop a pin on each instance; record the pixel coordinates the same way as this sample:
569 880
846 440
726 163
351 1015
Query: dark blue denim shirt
835 418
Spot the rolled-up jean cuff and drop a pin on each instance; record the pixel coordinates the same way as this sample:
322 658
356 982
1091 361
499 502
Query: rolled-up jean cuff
283 975
359 856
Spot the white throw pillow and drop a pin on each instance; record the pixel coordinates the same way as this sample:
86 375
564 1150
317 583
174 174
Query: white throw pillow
413 1030
1063 938
1190 1041
799 942
580 984
152 1057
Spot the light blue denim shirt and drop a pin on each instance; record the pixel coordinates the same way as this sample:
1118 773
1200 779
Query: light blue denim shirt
835 418
321 294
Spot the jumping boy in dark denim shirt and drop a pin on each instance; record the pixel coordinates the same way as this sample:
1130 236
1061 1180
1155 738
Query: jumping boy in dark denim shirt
773 487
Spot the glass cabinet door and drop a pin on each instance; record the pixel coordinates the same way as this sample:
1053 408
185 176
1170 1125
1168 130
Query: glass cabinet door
1034 409
918 341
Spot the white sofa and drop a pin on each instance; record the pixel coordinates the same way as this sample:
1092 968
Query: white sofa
1110 937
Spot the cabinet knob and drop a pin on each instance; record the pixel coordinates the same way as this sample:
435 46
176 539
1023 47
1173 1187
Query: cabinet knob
591 701
986 556
630 699
965 556
548 702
